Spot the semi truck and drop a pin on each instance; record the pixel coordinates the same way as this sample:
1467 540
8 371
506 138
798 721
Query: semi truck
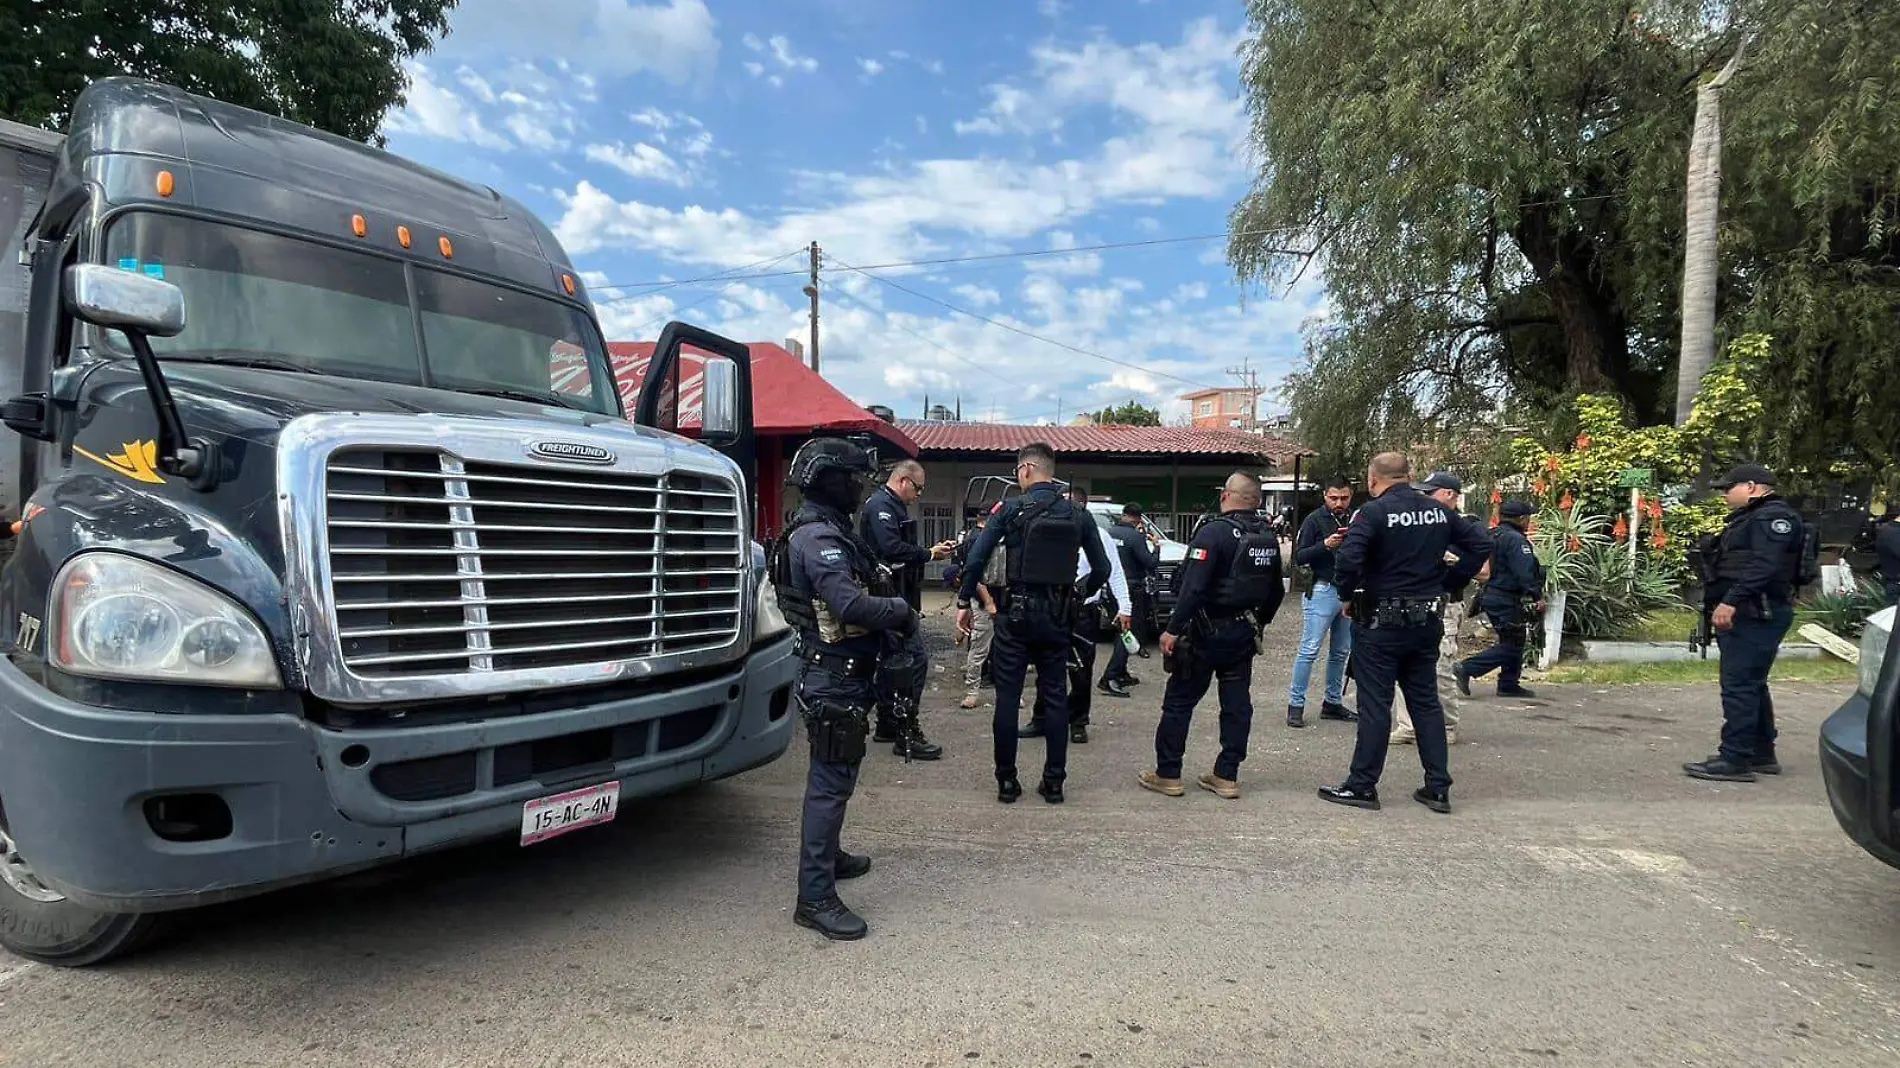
316 566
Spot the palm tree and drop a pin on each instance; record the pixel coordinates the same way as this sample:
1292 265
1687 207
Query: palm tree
1704 196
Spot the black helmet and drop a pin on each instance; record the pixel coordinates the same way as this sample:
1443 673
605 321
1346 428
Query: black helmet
819 455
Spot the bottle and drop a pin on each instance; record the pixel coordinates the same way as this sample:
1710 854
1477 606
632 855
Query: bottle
1130 642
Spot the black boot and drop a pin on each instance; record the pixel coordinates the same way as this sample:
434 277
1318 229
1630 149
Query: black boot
1296 715
912 745
1437 800
1346 795
1050 790
1031 729
1330 710
1765 765
850 865
1461 675
1719 769
1113 688
887 730
1078 734
1008 790
1515 691
829 917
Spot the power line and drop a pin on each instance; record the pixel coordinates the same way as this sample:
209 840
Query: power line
943 261
925 338
1016 329
714 295
734 275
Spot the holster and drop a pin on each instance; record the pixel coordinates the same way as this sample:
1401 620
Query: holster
838 731
1402 612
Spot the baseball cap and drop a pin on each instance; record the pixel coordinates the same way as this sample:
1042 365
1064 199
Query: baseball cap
1741 473
1440 480
1517 510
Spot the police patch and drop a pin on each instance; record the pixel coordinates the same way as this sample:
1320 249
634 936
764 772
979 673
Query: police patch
1781 526
1197 554
831 556
885 516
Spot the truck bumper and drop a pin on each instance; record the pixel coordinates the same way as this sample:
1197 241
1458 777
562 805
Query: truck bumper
291 802
1844 766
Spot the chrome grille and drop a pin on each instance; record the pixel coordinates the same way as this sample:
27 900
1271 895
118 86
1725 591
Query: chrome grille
445 567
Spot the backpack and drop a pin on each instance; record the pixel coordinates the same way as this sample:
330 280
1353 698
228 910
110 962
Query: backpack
1252 580
1048 546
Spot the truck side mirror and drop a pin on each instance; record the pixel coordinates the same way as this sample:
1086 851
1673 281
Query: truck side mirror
719 403
121 300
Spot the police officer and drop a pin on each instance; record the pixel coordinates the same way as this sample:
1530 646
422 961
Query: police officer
1104 612
1232 583
1754 574
1140 560
1392 570
1887 553
1040 533
1517 581
886 523
842 603
1447 489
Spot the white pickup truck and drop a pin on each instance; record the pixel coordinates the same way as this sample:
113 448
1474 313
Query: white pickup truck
1172 553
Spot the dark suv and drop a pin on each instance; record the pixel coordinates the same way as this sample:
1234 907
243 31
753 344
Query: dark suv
1859 743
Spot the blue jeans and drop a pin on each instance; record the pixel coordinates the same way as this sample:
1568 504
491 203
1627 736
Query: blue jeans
1323 616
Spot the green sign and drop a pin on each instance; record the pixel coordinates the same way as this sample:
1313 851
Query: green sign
1636 478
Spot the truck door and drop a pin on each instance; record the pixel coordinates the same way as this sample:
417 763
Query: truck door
705 393
1883 745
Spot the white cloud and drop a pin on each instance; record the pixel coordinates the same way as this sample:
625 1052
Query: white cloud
641 161
871 67
1081 265
476 84
436 111
676 40
1190 292
1051 9
978 296
653 117
752 41
754 69
782 51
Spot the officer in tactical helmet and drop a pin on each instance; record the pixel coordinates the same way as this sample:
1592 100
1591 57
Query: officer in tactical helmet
1040 533
843 605
1231 585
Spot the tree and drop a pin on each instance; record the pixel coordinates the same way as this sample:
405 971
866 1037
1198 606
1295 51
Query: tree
1129 414
1495 195
1704 192
333 64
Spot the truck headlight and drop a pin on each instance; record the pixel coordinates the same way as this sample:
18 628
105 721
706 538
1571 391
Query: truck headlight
769 621
1873 648
120 617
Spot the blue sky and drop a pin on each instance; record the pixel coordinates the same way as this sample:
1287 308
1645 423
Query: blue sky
667 140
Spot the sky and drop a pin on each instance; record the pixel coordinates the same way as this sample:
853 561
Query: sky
666 141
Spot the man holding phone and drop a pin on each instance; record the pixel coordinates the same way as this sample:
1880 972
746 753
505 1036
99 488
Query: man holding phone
1314 553
886 523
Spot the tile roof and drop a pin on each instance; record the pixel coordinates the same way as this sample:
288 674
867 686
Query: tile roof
1114 440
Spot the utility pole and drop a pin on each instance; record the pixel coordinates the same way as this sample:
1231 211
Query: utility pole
811 290
1250 379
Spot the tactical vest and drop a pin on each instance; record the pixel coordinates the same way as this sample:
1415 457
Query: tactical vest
1252 580
809 614
1046 541
1731 561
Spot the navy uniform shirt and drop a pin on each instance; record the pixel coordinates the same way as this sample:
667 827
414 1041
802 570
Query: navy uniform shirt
1309 547
885 522
824 565
1139 559
1514 567
1756 553
1396 544
1887 552
1210 555
1002 527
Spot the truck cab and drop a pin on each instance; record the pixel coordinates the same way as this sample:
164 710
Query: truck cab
1860 744
335 543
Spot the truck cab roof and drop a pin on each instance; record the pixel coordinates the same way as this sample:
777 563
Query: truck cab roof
233 162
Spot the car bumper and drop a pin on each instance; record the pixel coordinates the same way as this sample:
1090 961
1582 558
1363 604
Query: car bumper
1844 767
306 802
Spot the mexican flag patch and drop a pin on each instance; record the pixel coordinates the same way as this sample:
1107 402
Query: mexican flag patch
1197 554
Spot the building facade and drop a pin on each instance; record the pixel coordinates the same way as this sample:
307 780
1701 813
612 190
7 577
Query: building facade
1223 409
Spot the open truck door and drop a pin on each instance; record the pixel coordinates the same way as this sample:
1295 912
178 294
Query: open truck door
704 394
1860 745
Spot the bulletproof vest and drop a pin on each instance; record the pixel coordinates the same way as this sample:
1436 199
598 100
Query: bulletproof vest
1732 560
1044 540
808 613
1252 579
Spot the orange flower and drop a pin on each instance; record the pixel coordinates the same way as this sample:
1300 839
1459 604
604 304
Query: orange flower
1661 540
1583 442
1497 496
1573 543
1568 502
1538 486
1655 509
1621 530
1553 463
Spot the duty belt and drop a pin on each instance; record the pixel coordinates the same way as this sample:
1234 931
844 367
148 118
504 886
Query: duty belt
857 667
1395 612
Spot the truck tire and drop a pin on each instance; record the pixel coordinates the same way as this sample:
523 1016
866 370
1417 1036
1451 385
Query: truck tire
39 924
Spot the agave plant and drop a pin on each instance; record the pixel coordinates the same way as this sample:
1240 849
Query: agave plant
1610 596
1845 613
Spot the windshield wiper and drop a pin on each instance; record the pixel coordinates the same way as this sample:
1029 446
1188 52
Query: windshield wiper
528 395
242 358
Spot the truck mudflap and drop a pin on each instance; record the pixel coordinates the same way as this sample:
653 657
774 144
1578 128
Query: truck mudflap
137 812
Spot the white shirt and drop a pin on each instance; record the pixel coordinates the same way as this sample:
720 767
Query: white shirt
1117 581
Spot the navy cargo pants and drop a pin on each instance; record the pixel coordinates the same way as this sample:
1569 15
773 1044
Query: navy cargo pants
1507 656
828 786
1406 659
1227 655
1748 713
1032 638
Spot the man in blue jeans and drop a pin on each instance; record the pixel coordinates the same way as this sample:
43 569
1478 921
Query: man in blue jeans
1314 551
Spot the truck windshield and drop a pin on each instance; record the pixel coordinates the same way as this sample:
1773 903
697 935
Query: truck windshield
273 301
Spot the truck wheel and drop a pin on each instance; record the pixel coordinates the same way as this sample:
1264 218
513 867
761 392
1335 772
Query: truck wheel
38 923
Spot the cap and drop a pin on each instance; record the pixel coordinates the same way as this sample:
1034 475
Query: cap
1741 473
1515 509
1440 480
1131 508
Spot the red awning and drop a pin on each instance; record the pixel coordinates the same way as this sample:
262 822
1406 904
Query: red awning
788 398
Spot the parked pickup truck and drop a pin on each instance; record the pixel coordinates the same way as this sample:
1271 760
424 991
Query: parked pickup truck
1860 746
318 564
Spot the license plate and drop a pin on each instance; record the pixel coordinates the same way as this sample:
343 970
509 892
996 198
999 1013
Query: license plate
550 817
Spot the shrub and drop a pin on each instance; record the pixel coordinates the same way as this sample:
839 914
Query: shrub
1846 613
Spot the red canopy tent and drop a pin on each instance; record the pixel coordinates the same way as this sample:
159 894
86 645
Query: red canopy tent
790 403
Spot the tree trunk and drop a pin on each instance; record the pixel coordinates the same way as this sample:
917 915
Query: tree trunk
1699 260
1596 336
